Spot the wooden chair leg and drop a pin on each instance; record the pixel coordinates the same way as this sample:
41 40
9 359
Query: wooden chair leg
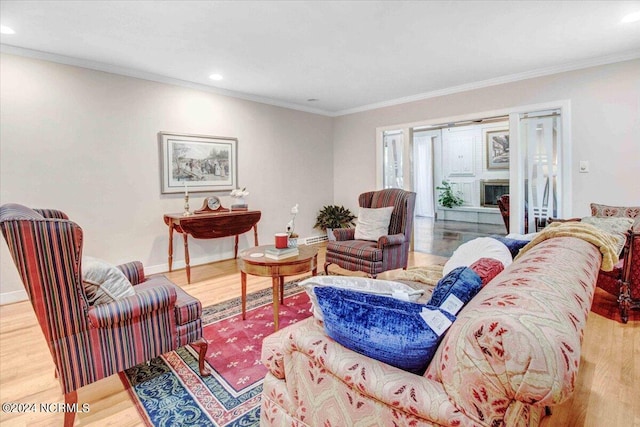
624 301
326 268
70 399
202 345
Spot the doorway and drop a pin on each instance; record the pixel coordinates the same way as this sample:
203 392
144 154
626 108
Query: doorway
529 155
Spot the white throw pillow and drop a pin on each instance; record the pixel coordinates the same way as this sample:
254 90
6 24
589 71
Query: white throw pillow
103 282
361 284
373 223
473 250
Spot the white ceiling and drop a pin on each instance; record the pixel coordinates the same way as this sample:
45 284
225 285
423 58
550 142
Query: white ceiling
350 55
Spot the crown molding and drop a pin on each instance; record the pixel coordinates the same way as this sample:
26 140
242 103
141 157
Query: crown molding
100 66
588 63
129 72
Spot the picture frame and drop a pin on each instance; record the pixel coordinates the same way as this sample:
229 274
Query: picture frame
497 143
199 163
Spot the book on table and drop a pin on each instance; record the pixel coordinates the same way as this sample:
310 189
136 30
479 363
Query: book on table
277 254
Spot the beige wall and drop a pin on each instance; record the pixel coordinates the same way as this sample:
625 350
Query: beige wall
605 118
85 142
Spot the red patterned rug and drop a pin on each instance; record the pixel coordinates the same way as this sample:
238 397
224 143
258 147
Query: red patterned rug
169 391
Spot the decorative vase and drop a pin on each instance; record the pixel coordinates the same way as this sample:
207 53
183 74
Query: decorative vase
239 203
293 242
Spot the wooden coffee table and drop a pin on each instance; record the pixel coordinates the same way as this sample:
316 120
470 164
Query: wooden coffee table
306 261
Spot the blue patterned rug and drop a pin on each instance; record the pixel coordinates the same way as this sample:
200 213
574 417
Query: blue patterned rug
169 391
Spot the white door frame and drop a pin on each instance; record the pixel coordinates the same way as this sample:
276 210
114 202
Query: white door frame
516 174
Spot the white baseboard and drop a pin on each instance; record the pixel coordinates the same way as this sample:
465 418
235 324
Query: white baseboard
11 297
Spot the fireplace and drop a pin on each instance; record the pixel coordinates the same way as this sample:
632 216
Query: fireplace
490 190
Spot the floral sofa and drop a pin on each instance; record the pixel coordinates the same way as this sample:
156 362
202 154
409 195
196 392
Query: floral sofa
512 351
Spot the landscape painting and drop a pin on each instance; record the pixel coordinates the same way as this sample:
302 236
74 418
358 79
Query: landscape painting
197 163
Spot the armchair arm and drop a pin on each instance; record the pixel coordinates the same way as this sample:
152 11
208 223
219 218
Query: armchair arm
129 308
344 233
134 271
366 378
394 239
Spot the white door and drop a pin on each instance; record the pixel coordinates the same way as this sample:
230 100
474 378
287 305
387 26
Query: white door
423 149
543 173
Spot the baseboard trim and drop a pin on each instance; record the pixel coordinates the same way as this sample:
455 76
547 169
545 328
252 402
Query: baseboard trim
13 297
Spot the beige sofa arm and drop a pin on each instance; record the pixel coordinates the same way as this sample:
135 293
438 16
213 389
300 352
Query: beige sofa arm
366 377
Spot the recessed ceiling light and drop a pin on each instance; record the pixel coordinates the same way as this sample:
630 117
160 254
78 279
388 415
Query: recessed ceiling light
215 76
632 17
6 30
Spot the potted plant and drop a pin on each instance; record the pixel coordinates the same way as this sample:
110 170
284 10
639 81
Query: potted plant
334 216
447 197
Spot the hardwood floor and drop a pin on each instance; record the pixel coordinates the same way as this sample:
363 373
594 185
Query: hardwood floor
606 392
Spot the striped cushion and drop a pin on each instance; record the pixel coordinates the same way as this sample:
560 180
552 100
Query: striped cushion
363 249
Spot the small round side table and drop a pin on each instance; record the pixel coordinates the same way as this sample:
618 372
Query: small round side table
306 260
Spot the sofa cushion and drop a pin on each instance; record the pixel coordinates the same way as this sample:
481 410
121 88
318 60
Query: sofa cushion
456 289
473 250
361 284
362 249
487 269
104 282
383 328
373 223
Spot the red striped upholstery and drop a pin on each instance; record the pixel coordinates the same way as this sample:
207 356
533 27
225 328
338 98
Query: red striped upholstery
389 252
88 343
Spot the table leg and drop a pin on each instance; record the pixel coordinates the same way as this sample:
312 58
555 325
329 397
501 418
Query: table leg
281 289
186 255
235 252
275 283
255 234
170 246
314 272
243 281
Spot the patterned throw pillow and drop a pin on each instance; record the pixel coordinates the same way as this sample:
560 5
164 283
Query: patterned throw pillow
456 289
487 269
633 212
103 282
383 328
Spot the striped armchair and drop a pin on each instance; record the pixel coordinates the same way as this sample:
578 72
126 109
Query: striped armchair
88 343
390 251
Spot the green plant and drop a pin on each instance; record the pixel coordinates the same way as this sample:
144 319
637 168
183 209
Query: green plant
334 216
447 197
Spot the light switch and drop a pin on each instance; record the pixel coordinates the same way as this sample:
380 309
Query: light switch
584 166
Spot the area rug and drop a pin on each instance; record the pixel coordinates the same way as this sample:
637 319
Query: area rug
169 391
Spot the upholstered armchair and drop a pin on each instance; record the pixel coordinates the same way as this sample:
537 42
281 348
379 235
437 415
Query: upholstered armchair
390 251
503 205
90 342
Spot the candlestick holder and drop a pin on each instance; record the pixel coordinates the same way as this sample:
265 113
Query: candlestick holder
186 206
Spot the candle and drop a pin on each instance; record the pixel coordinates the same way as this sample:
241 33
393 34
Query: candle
186 190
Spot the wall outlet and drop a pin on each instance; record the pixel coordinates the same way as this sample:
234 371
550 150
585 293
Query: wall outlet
584 166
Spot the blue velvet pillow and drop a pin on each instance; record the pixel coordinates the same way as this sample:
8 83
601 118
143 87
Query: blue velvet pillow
462 282
380 327
513 245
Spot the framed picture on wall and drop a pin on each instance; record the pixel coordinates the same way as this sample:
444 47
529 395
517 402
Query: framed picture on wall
198 163
497 142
